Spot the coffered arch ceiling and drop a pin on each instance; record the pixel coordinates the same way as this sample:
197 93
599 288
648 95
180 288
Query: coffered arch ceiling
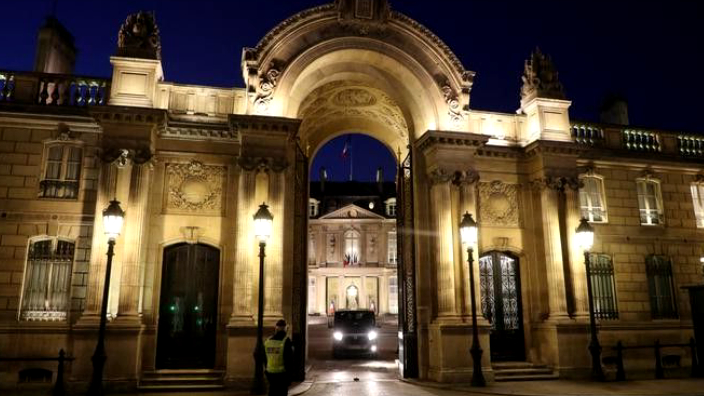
352 106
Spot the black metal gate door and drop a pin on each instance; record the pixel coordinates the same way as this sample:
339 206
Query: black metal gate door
408 342
299 303
501 304
188 309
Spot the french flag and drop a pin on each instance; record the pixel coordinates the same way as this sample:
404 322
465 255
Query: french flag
348 147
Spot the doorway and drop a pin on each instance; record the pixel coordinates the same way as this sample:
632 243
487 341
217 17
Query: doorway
188 307
500 287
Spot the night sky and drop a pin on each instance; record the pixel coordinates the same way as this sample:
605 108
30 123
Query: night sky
650 52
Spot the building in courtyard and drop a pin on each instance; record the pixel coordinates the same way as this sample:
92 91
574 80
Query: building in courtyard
190 165
352 249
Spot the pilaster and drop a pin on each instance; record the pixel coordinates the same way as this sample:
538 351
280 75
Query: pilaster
440 205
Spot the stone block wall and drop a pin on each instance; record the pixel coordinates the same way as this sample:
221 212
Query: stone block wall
23 215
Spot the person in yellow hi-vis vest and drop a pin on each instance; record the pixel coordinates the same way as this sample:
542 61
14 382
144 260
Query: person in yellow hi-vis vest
279 353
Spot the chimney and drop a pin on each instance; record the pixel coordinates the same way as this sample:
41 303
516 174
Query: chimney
323 178
380 179
56 51
614 110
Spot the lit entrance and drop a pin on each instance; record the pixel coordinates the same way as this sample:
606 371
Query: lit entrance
188 307
500 287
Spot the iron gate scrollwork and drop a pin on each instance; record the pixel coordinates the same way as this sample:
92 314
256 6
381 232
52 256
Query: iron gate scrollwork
499 283
300 265
408 343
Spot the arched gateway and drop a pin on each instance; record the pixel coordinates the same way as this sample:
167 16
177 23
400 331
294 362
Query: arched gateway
348 66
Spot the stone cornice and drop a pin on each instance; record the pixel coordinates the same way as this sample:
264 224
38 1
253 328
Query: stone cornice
128 115
264 124
550 147
196 131
445 138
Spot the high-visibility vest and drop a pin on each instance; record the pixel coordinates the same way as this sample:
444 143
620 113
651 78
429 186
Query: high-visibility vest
275 356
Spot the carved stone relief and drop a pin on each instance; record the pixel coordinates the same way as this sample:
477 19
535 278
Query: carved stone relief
498 204
330 246
371 255
194 187
139 37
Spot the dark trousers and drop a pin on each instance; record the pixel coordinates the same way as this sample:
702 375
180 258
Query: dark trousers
278 384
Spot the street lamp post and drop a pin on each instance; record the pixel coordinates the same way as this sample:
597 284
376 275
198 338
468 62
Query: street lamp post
262 230
468 234
585 239
113 217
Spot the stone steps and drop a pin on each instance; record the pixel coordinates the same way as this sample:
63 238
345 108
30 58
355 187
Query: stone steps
522 371
185 380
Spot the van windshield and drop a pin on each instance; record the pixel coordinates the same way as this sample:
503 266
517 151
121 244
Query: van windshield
354 319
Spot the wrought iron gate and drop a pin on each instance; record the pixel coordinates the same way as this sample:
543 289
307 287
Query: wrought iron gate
300 264
500 286
408 334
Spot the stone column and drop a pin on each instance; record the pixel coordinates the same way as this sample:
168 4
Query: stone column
549 188
273 264
96 273
134 241
441 218
244 259
577 265
467 184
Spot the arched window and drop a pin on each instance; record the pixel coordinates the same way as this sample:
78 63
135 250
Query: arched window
351 256
592 200
47 282
62 171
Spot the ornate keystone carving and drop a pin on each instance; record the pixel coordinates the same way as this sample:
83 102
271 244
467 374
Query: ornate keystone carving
194 187
123 157
498 203
139 37
540 78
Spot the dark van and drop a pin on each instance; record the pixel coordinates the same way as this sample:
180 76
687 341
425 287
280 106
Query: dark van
354 332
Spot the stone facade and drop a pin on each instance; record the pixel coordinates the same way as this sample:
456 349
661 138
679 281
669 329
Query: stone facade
191 164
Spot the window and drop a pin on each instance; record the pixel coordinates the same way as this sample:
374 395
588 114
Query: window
601 272
649 202
311 249
391 207
393 295
313 205
47 280
392 248
591 199
660 285
62 172
312 296
698 199
351 248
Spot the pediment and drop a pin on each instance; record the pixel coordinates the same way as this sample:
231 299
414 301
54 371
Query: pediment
352 211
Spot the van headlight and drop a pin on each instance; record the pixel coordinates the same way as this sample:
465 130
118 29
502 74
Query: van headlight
372 335
337 335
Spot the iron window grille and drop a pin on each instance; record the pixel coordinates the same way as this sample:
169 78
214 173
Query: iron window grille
661 286
48 280
601 272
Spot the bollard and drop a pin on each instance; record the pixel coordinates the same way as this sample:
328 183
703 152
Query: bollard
620 372
659 373
59 385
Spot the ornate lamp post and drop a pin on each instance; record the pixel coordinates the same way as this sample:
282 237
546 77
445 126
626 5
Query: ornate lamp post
585 240
113 217
263 221
468 234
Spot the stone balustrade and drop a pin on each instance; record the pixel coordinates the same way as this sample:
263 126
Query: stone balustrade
638 140
53 89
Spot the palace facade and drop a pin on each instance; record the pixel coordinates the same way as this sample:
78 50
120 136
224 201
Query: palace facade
190 165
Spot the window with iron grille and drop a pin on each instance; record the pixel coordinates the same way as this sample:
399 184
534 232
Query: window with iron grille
662 297
591 199
47 282
62 172
649 202
601 274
